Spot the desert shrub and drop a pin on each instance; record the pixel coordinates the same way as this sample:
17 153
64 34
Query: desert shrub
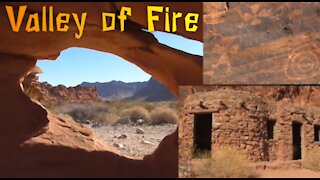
150 106
200 154
78 112
105 118
96 113
225 163
163 115
136 113
107 113
312 160
118 106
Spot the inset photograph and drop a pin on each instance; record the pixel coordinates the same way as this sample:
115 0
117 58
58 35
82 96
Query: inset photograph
249 131
261 43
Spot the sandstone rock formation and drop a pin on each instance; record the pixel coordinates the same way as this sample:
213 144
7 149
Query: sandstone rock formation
54 95
261 43
37 144
31 85
49 95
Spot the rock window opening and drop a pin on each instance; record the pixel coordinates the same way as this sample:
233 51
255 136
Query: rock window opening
130 117
270 129
296 137
202 134
317 133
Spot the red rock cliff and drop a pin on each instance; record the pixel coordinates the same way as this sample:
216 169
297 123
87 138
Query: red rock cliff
61 94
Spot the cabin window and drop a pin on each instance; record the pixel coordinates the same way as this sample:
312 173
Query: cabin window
270 129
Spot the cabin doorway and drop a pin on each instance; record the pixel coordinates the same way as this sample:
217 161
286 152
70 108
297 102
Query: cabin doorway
296 137
203 133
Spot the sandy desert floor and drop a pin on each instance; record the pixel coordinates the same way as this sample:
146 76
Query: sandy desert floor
130 143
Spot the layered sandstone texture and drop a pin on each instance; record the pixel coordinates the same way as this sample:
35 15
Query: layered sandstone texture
49 95
261 43
55 95
38 144
240 115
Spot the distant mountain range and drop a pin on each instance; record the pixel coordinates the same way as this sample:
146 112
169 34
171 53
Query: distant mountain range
150 91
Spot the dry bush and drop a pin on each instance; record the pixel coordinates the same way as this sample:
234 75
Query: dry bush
105 118
79 112
150 106
225 163
96 113
163 115
312 160
107 113
136 113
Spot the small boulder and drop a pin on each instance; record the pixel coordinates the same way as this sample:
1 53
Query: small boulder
146 142
118 145
139 131
123 136
140 122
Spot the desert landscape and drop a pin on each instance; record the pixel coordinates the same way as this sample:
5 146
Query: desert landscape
249 131
134 129
134 141
132 118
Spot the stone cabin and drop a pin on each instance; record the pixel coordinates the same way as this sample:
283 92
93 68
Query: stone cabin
264 130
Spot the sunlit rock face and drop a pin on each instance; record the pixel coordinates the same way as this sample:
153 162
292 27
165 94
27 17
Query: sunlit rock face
38 144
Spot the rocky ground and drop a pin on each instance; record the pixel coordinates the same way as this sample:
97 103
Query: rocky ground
133 141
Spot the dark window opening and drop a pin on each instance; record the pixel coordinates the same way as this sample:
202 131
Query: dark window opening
316 133
270 129
296 137
202 134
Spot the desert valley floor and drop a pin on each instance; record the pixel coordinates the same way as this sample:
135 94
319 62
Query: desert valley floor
133 141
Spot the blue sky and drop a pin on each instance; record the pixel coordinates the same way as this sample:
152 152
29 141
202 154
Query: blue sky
76 65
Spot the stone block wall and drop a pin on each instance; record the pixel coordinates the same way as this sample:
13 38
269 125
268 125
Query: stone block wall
237 122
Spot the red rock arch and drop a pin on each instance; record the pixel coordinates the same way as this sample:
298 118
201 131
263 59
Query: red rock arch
38 144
